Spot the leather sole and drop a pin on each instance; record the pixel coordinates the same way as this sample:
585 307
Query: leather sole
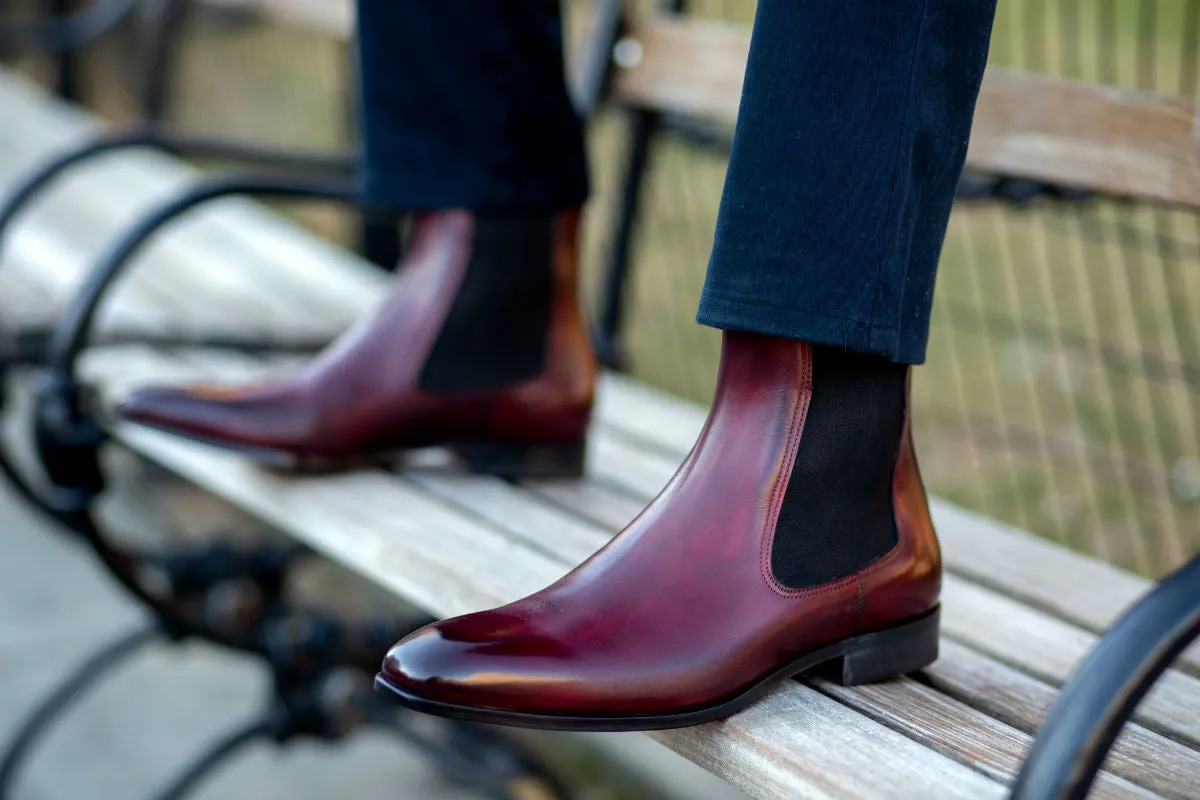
513 461
861 659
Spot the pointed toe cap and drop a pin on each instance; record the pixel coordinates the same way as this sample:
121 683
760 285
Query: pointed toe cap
428 665
189 410
256 420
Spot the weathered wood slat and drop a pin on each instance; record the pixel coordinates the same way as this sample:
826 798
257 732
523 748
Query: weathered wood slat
1044 128
415 544
1145 757
948 726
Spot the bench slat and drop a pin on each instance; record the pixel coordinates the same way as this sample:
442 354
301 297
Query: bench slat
948 726
1151 760
1143 756
1036 126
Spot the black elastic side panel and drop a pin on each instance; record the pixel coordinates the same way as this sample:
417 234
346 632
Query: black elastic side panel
496 331
837 514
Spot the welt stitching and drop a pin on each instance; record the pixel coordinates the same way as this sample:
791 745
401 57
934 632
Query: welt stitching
798 418
862 605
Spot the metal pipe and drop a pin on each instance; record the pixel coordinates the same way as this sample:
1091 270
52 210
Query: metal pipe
1107 687
74 326
182 145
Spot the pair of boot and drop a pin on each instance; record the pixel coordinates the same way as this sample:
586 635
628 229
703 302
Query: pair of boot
796 536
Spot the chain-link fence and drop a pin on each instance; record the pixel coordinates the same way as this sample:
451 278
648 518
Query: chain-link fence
1061 391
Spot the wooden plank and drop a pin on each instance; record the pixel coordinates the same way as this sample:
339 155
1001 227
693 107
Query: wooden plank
1049 649
946 725
692 67
1006 630
1144 757
447 563
1151 761
1133 144
1035 126
1079 589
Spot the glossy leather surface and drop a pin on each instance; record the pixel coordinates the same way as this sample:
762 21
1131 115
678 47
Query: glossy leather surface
680 611
362 395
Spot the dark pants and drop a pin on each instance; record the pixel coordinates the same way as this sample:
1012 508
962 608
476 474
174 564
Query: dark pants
850 140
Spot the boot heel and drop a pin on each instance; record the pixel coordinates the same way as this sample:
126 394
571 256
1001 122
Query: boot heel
524 461
886 654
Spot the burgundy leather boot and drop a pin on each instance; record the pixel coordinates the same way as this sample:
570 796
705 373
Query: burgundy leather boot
480 346
795 537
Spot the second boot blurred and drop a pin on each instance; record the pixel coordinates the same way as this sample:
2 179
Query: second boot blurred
479 346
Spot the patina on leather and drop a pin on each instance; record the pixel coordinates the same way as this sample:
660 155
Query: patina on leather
681 611
363 397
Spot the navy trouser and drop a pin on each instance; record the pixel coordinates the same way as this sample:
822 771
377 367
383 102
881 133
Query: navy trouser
851 137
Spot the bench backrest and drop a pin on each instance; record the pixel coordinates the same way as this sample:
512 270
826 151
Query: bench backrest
1121 142
1039 127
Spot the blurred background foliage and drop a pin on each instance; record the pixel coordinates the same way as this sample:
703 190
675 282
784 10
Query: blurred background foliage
1061 389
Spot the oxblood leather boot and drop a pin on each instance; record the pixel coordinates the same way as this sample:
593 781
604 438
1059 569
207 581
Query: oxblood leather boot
795 537
480 346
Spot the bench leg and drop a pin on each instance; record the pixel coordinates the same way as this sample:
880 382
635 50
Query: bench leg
1107 687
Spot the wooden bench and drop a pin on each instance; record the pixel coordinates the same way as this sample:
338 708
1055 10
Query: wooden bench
1019 612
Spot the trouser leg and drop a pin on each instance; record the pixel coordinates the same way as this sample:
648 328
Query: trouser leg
465 105
850 141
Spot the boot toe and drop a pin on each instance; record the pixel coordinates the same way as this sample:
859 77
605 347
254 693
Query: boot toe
434 666
239 418
479 661
191 410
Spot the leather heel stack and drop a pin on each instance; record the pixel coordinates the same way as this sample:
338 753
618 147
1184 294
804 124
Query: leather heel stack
525 461
887 654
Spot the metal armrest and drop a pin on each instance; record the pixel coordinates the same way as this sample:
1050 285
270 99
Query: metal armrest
1107 687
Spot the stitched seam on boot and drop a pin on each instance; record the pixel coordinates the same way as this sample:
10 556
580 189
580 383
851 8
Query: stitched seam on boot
785 472
768 535
862 605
